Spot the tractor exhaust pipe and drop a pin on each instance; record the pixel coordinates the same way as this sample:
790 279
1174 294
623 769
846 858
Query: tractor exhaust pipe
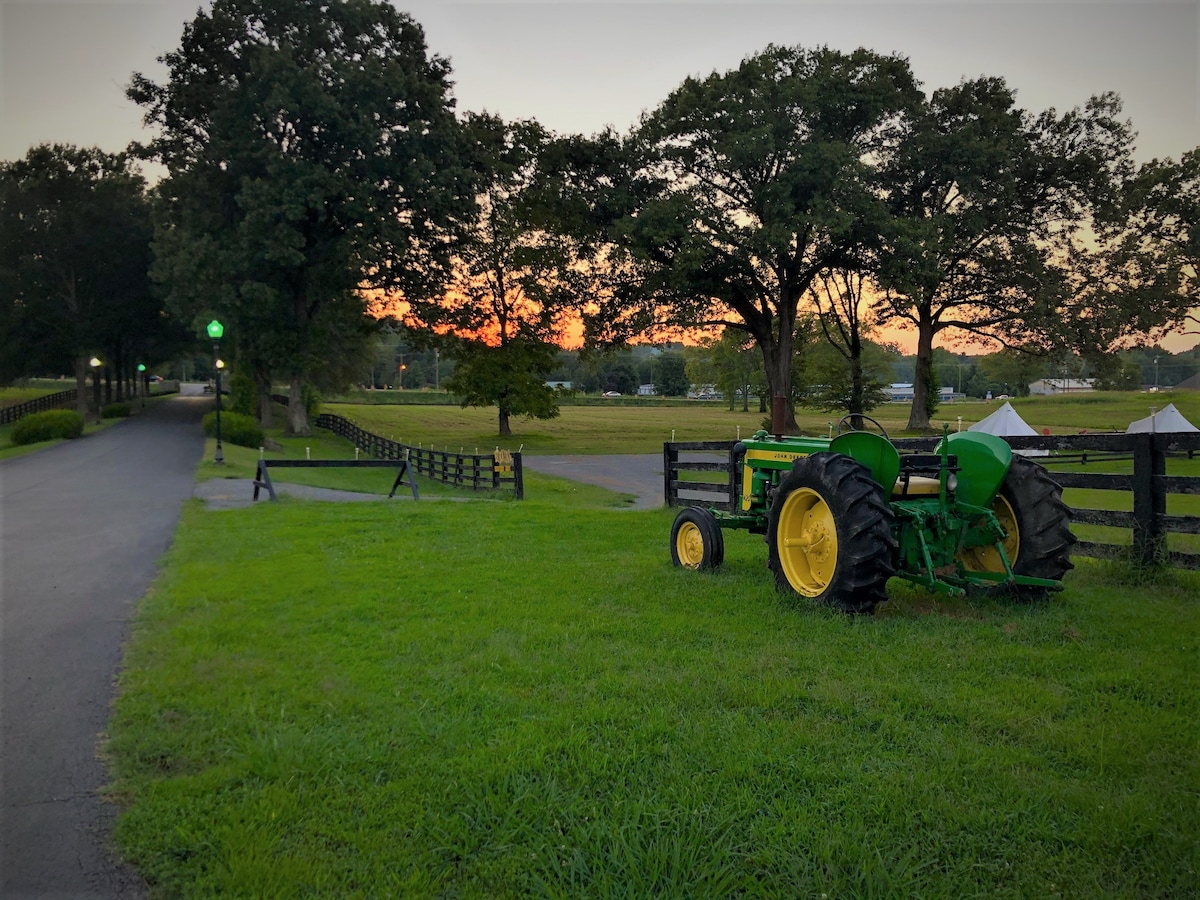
778 415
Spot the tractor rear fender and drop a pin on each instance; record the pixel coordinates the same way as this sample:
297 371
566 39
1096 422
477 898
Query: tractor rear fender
983 461
874 451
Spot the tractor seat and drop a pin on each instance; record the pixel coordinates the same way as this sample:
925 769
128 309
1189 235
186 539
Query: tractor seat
919 474
909 485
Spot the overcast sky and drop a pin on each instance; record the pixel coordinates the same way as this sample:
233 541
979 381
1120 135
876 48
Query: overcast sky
582 66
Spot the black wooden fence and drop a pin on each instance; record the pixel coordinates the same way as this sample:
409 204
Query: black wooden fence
501 470
37 404
1148 483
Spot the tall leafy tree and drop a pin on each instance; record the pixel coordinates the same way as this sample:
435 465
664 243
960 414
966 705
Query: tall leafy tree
987 200
750 183
842 307
837 384
731 362
312 152
515 280
74 259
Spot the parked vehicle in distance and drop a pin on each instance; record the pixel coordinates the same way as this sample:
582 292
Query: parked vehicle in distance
612 393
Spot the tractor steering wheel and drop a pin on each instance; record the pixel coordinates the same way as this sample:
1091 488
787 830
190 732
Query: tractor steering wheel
848 421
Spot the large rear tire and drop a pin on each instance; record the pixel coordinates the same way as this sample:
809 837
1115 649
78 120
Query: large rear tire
1038 527
696 540
829 534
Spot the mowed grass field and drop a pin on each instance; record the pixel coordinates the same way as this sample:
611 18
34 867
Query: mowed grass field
499 699
526 699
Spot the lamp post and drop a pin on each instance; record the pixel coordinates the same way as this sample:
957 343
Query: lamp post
95 363
215 331
1156 373
142 387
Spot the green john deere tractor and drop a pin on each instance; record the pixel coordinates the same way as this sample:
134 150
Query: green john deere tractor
842 515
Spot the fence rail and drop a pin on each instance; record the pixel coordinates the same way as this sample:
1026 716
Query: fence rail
494 471
1149 484
37 404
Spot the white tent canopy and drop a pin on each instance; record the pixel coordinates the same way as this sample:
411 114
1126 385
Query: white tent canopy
1004 421
1007 422
1168 419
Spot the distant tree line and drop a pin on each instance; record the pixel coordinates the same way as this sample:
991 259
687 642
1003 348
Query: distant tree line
323 196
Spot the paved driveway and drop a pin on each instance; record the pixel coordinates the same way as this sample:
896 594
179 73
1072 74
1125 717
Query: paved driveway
82 526
637 474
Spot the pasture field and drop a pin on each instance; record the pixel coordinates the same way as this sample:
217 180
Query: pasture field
11 396
493 699
634 429
31 388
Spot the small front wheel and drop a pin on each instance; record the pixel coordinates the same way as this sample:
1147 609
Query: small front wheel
696 540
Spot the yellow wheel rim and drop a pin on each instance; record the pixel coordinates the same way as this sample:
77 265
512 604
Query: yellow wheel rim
986 559
689 545
807 542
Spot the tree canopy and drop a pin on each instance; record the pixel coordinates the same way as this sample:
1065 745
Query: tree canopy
515 279
746 185
987 200
312 152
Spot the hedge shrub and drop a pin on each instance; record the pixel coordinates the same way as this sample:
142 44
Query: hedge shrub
51 425
236 428
243 396
115 411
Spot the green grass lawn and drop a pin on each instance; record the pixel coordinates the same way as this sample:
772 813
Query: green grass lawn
526 699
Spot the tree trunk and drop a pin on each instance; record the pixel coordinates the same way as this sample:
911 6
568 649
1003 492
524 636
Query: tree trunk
297 414
918 417
81 392
505 428
266 408
262 395
778 359
856 392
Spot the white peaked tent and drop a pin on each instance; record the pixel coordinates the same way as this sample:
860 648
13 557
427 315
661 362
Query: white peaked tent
1007 422
1168 419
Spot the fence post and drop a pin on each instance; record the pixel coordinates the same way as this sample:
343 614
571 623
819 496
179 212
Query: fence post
518 477
1149 499
670 457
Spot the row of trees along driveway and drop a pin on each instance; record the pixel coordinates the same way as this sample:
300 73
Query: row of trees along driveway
75 231
321 185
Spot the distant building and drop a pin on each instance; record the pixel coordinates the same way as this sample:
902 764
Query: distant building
903 393
1047 387
560 385
646 390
